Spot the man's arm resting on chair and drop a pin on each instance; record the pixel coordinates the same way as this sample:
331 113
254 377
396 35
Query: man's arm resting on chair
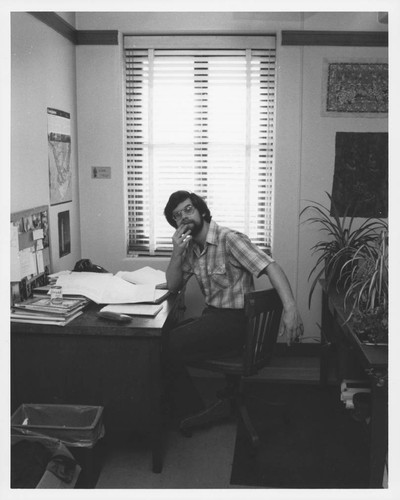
291 324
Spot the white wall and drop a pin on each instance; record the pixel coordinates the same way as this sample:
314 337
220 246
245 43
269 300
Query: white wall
318 154
69 17
99 71
304 139
43 74
188 22
317 148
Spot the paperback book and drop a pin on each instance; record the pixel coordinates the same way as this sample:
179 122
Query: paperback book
44 304
42 310
18 317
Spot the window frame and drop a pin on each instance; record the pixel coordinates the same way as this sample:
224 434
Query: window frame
195 42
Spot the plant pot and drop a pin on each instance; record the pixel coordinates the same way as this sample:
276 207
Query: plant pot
371 326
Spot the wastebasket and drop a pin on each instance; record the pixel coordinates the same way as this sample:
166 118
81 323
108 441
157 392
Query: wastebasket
79 427
74 425
39 461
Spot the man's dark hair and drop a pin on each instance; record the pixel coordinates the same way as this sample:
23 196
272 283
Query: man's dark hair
178 197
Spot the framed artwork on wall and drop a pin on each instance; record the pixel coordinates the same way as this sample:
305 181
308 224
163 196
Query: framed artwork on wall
355 89
361 174
64 233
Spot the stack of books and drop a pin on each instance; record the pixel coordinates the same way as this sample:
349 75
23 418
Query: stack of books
42 310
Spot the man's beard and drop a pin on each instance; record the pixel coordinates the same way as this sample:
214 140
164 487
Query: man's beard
195 227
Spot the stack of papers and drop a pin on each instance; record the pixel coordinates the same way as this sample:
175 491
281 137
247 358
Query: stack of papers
52 278
108 289
134 309
145 276
104 288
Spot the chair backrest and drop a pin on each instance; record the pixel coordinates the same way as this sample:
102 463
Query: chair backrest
263 310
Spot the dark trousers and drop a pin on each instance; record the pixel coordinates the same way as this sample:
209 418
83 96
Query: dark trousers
216 332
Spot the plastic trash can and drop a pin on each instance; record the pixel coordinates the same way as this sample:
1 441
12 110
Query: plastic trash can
78 427
42 460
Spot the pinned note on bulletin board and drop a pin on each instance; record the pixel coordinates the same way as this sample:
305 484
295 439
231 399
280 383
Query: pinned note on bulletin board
29 247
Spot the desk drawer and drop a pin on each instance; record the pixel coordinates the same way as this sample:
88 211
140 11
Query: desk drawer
122 374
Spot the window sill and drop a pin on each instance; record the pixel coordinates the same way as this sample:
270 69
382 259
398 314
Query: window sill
134 257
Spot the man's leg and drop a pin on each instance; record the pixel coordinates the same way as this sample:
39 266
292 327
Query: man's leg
215 332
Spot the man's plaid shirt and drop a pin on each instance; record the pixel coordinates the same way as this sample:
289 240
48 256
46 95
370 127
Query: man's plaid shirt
226 266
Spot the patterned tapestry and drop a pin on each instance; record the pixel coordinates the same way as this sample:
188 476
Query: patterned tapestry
357 88
361 174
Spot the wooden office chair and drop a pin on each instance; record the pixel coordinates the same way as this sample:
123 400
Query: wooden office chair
263 311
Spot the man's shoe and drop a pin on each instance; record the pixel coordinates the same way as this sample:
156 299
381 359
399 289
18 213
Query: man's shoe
214 413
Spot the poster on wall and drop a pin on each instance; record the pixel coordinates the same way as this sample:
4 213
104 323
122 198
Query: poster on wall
59 152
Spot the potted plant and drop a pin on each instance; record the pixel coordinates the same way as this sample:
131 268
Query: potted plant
367 290
341 241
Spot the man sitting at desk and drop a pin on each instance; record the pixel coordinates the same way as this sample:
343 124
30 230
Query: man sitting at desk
224 262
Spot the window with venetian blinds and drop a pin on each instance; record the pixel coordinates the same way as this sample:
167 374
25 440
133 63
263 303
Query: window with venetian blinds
200 116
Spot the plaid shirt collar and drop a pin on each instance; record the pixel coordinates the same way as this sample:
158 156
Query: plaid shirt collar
211 238
212 235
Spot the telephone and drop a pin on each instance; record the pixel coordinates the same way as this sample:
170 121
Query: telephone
86 265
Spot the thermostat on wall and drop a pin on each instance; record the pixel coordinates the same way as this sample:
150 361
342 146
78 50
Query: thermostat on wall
101 172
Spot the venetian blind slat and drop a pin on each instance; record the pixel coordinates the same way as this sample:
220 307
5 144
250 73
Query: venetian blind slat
199 142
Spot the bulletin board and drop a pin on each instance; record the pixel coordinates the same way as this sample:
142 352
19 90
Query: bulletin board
29 251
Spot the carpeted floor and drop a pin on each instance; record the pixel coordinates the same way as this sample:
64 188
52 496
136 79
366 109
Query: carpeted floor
319 445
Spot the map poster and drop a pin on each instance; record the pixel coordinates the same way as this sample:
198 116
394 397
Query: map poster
59 140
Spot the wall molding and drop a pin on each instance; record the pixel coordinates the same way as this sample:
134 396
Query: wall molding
57 23
336 38
289 37
97 37
77 37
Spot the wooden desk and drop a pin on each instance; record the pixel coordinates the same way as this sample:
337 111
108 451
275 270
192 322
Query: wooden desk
97 362
340 341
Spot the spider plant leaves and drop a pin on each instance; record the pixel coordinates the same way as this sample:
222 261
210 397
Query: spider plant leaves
368 288
340 244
